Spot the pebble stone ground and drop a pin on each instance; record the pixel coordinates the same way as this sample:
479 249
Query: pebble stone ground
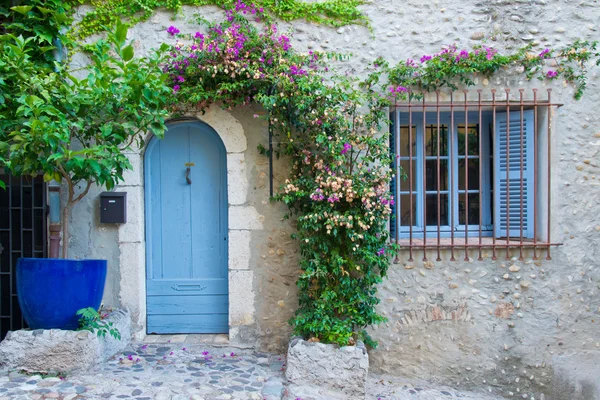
180 370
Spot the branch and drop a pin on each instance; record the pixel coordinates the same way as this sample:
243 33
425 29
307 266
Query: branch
82 194
69 182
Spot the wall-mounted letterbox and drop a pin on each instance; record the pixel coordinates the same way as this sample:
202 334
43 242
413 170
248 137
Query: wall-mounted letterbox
113 207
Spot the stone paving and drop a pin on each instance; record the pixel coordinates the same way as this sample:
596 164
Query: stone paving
178 370
161 371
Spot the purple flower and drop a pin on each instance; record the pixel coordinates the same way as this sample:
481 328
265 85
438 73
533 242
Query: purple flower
205 353
180 79
184 349
551 74
425 58
333 198
544 52
347 147
464 54
198 35
172 30
171 353
232 354
381 251
176 88
144 347
317 195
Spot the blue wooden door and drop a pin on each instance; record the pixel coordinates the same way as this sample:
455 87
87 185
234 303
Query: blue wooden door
186 231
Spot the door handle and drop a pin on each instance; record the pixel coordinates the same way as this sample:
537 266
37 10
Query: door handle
188 171
190 286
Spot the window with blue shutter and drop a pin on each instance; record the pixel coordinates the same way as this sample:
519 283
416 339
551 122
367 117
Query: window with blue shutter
513 177
473 173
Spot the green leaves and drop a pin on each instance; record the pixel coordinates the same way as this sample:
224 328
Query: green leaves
22 9
77 130
127 53
92 320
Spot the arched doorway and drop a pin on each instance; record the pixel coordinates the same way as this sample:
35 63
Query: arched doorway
186 231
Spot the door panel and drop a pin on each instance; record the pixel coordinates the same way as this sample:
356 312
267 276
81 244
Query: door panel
186 231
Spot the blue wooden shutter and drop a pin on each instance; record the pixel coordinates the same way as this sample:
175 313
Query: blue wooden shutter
513 212
393 181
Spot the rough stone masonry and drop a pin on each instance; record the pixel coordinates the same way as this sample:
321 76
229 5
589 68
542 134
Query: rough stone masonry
497 324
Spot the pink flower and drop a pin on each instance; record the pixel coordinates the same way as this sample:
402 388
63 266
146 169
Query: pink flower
544 53
346 148
172 30
425 58
551 74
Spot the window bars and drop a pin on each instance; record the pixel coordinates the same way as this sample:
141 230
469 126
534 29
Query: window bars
472 172
22 234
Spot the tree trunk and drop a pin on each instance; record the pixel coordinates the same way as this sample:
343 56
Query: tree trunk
65 229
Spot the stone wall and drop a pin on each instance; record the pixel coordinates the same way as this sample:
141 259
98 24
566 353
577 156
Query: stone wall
491 324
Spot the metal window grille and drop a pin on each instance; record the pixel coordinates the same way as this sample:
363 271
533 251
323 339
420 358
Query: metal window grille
508 200
22 234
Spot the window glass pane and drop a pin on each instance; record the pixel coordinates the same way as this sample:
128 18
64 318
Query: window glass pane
405 183
404 139
473 209
473 174
431 140
431 175
405 214
473 139
432 209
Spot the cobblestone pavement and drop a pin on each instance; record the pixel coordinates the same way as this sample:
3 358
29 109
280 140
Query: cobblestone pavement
178 371
161 371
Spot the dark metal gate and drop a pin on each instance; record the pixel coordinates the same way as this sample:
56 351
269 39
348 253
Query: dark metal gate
22 234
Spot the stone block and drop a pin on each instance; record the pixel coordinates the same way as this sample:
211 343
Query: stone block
333 371
227 126
245 218
241 301
62 351
239 250
133 230
576 377
132 296
237 181
134 176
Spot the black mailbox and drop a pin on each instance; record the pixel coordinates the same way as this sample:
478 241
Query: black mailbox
113 207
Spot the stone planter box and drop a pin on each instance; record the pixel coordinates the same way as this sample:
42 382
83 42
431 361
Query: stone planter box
319 371
62 351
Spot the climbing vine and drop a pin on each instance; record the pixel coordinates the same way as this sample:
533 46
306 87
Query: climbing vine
452 66
338 186
340 166
329 12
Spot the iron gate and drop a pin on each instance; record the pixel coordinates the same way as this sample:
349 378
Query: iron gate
22 234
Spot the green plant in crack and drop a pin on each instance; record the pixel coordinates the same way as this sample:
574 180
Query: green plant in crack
93 321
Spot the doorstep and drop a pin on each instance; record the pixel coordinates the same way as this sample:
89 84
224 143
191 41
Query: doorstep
211 339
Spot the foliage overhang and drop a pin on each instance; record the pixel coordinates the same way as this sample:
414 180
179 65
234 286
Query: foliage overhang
340 165
338 188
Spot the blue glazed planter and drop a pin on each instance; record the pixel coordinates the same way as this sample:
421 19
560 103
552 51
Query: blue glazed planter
51 290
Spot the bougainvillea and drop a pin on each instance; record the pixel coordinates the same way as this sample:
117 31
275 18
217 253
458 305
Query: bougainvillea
452 66
338 186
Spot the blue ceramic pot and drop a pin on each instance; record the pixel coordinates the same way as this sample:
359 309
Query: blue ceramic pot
52 290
